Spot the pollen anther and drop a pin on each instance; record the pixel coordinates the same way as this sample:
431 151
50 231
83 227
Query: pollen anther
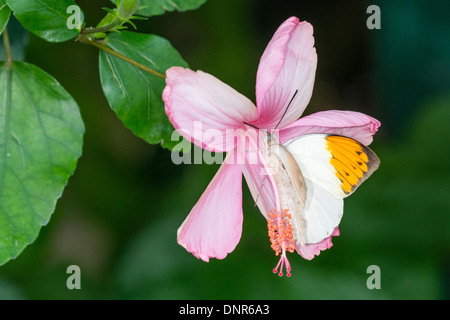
281 238
280 231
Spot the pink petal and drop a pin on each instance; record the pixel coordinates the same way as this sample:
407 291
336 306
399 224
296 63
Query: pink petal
260 188
288 65
213 227
355 125
309 251
202 108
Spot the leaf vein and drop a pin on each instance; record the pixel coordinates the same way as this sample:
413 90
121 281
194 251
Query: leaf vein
51 9
113 68
36 110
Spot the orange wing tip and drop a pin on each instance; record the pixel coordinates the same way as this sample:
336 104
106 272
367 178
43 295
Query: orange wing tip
352 161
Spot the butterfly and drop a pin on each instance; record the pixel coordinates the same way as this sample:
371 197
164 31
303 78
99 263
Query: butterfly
313 174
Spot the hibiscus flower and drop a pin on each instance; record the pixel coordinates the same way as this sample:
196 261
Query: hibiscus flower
298 170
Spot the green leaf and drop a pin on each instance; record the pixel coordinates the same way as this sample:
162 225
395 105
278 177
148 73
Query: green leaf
133 94
51 20
41 137
157 7
127 8
5 12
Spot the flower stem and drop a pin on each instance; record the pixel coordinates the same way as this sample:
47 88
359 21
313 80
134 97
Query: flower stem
106 28
7 44
95 43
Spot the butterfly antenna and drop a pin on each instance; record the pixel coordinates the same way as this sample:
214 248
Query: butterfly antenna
287 108
259 192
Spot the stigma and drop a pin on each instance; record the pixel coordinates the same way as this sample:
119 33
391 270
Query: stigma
281 238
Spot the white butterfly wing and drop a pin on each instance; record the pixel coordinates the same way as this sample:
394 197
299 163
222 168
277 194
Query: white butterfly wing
322 212
332 167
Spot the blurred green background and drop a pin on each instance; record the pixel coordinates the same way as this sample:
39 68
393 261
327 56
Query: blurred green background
119 215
